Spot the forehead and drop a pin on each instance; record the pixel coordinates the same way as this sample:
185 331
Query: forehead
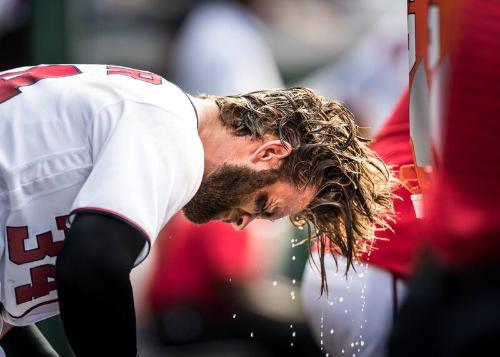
286 197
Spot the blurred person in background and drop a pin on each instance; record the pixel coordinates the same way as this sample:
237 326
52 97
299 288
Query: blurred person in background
452 308
220 49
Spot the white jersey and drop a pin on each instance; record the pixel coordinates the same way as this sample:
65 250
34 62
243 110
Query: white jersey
77 138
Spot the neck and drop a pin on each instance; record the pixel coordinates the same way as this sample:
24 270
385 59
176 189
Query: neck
208 115
210 130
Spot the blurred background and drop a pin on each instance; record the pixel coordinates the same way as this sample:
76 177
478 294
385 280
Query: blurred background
210 291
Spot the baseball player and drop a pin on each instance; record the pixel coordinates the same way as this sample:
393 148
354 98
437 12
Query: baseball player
95 159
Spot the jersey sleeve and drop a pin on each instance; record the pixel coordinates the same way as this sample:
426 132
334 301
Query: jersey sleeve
146 168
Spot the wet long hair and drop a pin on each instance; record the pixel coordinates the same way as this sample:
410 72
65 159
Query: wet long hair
353 185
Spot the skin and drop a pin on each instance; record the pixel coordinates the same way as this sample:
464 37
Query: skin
221 147
282 200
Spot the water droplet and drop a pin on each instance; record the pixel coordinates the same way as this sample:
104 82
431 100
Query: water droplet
332 331
291 326
230 280
362 343
291 344
293 334
352 344
361 275
327 354
293 281
356 343
251 334
342 351
293 297
293 258
275 283
341 299
345 311
331 303
234 316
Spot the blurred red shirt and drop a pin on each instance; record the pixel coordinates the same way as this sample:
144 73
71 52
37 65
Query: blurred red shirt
396 251
197 264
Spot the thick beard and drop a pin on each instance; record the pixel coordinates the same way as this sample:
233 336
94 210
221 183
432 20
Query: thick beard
225 189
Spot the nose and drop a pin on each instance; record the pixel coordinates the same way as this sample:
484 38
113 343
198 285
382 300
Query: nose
243 221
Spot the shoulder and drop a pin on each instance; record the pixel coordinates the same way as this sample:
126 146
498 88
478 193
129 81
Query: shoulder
105 86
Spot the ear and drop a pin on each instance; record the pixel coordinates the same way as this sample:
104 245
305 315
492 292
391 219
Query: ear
273 150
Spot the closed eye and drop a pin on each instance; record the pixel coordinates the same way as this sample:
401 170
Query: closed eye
260 204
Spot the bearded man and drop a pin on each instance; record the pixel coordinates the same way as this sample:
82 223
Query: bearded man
96 159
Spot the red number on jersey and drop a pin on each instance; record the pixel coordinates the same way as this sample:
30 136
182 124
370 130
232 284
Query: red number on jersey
40 284
136 74
10 82
19 255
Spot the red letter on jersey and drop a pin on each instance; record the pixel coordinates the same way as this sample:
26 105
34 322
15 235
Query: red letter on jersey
11 82
136 74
